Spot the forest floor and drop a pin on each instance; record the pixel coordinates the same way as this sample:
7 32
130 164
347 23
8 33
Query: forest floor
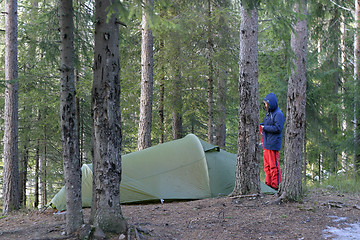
323 214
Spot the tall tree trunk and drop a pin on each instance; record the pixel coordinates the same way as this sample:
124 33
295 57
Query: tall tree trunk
146 97
161 109
176 100
291 187
210 80
344 153
334 29
221 112
305 157
247 166
356 86
37 175
68 119
23 172
106 210
78 117
177 128
11 200
43 172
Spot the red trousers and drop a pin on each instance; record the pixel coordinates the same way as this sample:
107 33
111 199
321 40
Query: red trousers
272 168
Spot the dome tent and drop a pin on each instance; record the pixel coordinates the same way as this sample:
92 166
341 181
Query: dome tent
187 168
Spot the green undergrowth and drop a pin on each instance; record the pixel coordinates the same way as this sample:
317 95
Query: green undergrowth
343 183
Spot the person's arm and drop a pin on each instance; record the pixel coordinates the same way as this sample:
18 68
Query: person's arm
278 124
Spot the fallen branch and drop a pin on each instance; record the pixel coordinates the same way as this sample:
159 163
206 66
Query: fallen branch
129 233
331 204
246 196
137 234
356 207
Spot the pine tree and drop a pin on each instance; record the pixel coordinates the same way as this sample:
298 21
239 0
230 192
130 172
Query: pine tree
247 166
11 156
106 210
291 186
147 65
68 120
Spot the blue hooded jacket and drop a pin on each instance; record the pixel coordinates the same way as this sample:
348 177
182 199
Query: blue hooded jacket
273 124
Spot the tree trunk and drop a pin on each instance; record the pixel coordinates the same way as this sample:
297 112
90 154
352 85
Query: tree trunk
247 166
146 97
356 86
177 105
177 108
344 66
78 117
334 28
11 200
68 119
106 210
291 186
23 172
305 157
161 109
37 175
210 80
221 112
43 173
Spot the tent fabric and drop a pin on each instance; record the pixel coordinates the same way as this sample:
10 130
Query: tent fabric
173 170
59 200
187 168
222 169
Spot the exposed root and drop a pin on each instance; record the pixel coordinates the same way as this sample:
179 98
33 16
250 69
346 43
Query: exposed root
279 200
136 232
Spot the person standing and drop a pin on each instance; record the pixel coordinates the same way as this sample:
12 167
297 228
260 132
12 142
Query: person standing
271 139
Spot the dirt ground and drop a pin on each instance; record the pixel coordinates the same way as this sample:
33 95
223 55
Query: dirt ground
323 214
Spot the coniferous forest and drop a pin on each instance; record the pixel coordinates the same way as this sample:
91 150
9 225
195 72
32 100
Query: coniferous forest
191 68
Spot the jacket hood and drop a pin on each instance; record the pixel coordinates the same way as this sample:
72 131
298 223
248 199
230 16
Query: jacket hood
272 100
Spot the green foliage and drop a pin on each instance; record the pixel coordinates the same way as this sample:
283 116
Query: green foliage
342 183
329 90
181 33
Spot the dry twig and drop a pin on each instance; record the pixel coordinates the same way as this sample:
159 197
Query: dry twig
246 196
356 207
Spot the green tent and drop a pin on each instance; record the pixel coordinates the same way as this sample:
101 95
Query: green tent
187 168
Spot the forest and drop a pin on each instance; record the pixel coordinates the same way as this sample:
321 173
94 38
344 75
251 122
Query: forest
195 81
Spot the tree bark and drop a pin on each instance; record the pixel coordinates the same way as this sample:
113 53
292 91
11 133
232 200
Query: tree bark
177 105
68 119
291 186
221 112
43 171
210 80
146 97
344 66
161 109
247 166
37 175
334 28
177 128
11 200
23 172
106 210
356 86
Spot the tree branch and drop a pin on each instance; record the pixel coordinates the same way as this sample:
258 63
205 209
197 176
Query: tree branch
246 196
347 9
